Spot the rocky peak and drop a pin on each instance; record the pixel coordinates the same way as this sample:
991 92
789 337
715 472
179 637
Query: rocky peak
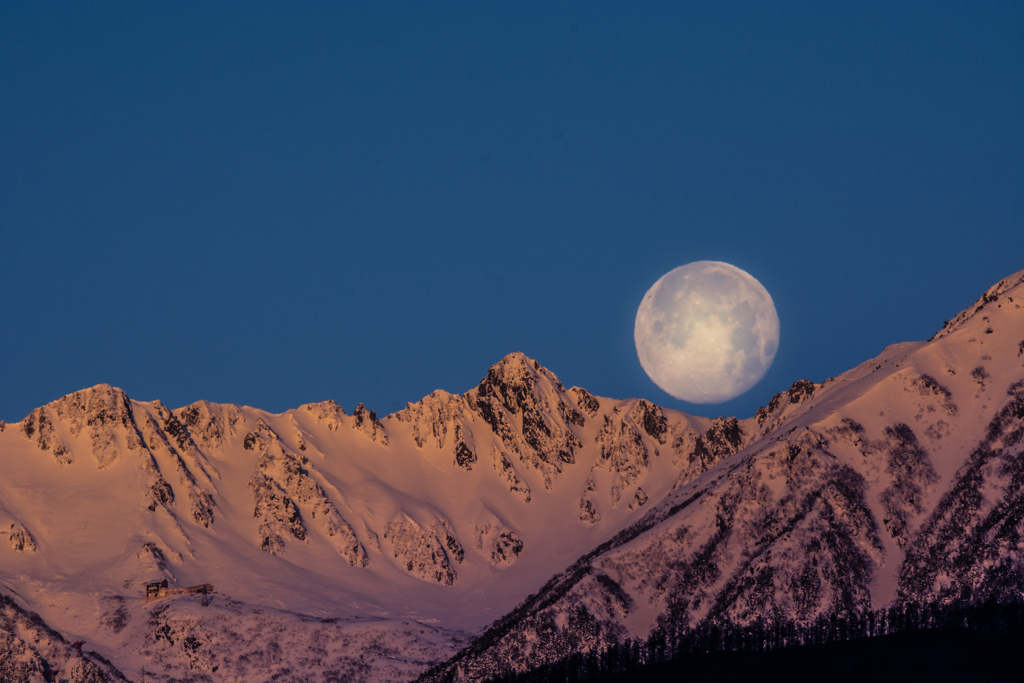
97 406
103 412
512 381
532 413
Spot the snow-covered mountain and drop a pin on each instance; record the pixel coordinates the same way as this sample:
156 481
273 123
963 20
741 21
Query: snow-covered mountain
406 532
351 547
900 481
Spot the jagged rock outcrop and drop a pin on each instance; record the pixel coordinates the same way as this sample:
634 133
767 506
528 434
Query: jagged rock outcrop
328 413
277 514
586 402
164 436
507 472
434 417
530 411
640 499
427 552
20 538
38 425
622 451
499 544
696 453
210 423
588 511
365 422
783 406
282 484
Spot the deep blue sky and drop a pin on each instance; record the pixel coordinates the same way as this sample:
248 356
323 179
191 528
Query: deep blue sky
282 203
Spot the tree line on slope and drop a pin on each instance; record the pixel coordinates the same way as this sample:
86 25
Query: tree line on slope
677 646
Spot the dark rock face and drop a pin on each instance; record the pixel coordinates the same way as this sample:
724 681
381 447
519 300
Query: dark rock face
588 513
623 451
209 423
508 473
162 494
723 438
651 418
20 538
464 456
590 405
328 412
277 512
173 437
507 548
366 421
640 499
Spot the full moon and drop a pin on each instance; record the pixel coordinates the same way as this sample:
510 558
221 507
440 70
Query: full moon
706 332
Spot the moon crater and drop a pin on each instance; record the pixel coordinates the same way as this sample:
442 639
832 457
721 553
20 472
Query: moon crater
706 332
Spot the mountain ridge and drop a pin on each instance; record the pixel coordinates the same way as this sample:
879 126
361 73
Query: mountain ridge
401 535
444 495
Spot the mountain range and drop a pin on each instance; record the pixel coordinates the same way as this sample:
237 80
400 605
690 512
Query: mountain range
489 533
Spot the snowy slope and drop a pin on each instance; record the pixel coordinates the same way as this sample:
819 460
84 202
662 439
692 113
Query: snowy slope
901 480
447 513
